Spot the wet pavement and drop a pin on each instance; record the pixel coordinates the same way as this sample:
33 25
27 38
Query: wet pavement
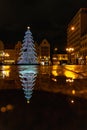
43 97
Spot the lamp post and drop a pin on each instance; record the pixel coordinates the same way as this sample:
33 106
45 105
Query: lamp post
69 51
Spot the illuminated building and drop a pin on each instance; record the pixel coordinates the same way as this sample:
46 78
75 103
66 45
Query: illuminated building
76 29
9 57
44 52
60 58
83 50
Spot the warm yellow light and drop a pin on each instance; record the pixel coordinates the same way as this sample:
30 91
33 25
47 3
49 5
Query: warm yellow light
72 28
44 57
55 73
6 73
54 70
6 54
72 101
69 80
3 109
70 49
73 92
55 49
3 54
70 75
7 67
55 80
54 58
9 107
28 101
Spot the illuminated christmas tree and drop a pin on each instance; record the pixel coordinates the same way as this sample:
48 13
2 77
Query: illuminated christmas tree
28 53
27 76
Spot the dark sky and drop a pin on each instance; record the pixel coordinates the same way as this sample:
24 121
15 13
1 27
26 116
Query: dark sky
47 19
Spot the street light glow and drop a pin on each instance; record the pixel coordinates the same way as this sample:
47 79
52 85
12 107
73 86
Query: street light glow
72 28
69 49
28 27
55 49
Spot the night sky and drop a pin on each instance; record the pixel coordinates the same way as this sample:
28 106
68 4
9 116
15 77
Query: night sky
46 18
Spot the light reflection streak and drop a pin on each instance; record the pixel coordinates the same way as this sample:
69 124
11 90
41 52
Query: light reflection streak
5 67
56 70
69 80
70 74
73 92
5 71
73 71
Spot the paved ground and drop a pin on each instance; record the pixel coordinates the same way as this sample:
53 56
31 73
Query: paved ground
57 102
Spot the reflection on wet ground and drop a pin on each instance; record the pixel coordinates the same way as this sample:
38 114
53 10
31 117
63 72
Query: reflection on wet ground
43 97
45 111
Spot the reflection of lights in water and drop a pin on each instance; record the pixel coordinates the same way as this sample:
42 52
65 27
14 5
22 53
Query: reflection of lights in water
8 107
29 69
72 101
3 109
27 76
28 101
55 80
5 67
70 74
5 71
69 80
55 67
45 70
72 71
54 70
73 92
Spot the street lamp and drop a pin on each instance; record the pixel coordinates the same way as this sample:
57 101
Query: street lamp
69 50
72 28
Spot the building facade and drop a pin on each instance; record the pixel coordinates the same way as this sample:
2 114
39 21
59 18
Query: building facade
10 56
76 31
17 50
60 58
1 51
44 52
